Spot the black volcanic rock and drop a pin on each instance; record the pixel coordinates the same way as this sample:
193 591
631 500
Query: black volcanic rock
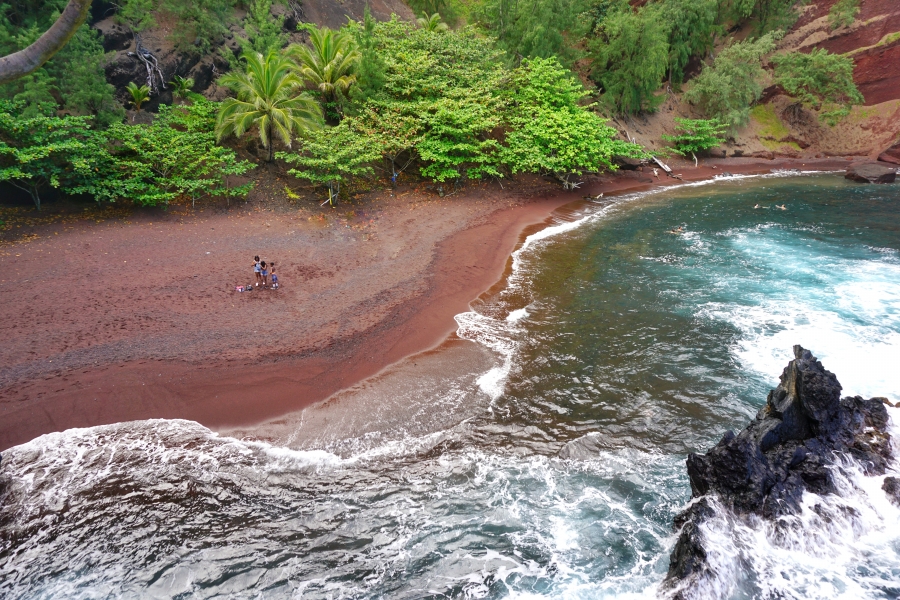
891 486
787 449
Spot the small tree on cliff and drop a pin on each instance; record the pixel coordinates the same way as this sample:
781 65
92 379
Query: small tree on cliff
696 135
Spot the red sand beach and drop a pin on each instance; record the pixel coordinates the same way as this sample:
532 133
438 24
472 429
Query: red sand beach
137 318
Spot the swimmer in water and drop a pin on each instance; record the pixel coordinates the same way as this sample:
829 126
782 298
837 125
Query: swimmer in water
757 206
782 207
677 230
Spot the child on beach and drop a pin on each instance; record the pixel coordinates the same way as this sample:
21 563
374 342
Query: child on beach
274 276
264 272
256 269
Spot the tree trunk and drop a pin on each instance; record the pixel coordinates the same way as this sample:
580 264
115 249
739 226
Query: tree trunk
31 58
695 159
271 145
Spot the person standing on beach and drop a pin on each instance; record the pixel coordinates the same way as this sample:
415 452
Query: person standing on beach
256 269
264 272
274 276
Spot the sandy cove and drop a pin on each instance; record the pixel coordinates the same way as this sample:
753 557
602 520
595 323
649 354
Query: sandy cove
137 318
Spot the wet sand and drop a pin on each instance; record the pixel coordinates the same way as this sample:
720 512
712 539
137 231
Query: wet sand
138 318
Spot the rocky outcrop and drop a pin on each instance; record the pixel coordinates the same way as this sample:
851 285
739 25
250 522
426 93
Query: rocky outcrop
871 172
891 487
790 448
891 155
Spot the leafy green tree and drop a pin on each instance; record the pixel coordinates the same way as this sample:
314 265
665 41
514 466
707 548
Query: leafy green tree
174 157
371 71
727 88
529 28
73 79
181 86
631 54
692 31
265 32
455 143
549 133
843 13
393 131
696 135
333 156
139 94
819 80
267 97
138 15
43 151
329 65
199 23
432 23
81 79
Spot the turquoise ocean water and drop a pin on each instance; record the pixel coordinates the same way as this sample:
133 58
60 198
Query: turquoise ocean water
629 333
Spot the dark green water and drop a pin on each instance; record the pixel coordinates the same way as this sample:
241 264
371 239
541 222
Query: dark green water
618 347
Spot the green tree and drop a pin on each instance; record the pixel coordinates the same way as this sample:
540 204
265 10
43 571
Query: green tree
138 15
696 135
549 133
529 28
267 97
73 79
631 54
371 71
174 157
264 31
432 23
81 79
727 88
329 64
44 151
819 80
843 13
181 86
692 31
199 23
333 156
139 94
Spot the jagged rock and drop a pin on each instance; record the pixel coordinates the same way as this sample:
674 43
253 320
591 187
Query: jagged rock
789 448
891 486
871 172
891 155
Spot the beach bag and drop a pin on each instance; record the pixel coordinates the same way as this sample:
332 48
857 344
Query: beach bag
239 288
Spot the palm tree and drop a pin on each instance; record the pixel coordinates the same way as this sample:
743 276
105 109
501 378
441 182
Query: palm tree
139 94
432 23
330 65
181 86
267 97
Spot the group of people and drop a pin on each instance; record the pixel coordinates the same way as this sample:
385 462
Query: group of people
263 271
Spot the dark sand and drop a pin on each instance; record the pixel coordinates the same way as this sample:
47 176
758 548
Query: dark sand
137 318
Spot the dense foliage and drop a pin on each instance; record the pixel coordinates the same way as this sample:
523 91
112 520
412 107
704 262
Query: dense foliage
726 88
457 124
819 80
174 157
73 80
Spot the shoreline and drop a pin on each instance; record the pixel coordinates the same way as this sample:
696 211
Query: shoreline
229 392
